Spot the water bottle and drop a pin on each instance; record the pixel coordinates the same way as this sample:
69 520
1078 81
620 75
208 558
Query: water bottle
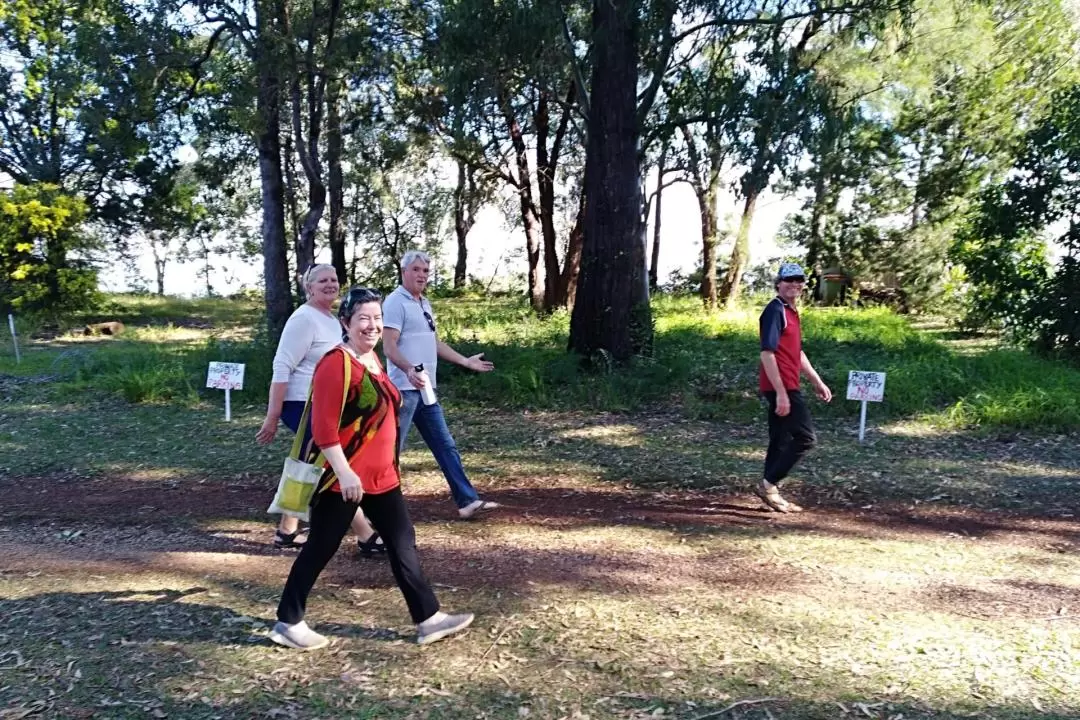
427 393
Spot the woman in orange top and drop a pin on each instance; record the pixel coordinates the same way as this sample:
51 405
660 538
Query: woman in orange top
359 441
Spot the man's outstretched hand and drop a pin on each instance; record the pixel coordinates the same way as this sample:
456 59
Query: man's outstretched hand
477 363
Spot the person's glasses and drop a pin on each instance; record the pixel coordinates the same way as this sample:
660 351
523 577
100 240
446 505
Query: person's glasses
796 280
430 321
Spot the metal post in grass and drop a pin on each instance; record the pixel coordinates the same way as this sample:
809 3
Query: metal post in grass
228 377
865 387
14 338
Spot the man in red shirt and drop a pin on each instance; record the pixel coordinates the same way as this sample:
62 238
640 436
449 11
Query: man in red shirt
791 429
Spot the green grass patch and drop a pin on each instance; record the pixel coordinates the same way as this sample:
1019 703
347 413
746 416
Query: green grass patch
704 364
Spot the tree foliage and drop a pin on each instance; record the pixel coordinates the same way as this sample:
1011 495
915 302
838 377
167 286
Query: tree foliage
1004 249
39 224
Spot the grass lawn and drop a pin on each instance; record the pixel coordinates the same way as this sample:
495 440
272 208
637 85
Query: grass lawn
935 574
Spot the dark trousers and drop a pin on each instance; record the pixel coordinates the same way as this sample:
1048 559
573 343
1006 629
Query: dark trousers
330 518
790 436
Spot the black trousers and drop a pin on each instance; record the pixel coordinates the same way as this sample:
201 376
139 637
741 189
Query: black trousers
790 436
330 519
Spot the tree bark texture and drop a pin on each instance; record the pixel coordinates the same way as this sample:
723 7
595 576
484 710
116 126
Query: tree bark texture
654 260
336 235
313 73
611 320
547 165
465 206
710 238
292 217
529 217
568 278
740 254
278 297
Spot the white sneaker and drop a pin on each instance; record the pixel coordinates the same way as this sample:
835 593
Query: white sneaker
434 629
476 507
298 636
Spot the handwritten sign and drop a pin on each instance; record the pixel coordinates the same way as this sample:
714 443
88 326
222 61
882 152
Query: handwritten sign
866 386
225 376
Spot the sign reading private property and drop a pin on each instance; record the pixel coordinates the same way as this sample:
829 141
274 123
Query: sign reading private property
225 376
867 386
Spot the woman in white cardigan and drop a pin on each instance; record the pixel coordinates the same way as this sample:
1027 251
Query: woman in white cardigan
311 331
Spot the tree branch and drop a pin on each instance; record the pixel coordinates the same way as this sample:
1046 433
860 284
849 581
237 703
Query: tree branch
779 19
579 77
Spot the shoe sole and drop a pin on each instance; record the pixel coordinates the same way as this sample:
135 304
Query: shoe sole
286 642
445 632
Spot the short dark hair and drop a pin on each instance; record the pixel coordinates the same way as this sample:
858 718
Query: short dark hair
353 299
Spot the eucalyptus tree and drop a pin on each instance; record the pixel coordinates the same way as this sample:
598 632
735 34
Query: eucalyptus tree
635 48
709 100
611 320
770 136
280 74
510 106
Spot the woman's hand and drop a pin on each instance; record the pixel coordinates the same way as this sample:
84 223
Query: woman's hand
267 432
350 487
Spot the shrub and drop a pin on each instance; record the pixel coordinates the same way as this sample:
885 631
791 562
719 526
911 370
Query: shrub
40 239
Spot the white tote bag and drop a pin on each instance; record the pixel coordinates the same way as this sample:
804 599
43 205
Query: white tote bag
300 480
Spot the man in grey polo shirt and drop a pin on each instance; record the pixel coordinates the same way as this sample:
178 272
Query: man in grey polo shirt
409 339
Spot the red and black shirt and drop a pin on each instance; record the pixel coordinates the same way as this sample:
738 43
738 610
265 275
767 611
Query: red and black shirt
368 430
781 333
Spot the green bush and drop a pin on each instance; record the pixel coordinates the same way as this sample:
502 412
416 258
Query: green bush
40 238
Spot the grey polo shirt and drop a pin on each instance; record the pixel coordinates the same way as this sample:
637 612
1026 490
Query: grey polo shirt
417 342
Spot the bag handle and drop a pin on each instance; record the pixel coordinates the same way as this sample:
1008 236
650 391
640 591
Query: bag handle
300 430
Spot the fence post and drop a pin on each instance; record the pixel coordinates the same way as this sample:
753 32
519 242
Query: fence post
14 338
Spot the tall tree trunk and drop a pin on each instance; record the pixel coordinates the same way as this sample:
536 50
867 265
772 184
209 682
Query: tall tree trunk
336 235
704 172
654 261
740 254
823 203
710 238
307 146
291 203
278 297
529 218
159 264
568 278
545 184
309 225
611 311
547 164
815 243
464 218
916 199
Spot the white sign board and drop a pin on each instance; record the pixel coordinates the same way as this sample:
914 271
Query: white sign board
867 386
225 376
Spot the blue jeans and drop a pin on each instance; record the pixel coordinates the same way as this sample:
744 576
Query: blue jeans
432 426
